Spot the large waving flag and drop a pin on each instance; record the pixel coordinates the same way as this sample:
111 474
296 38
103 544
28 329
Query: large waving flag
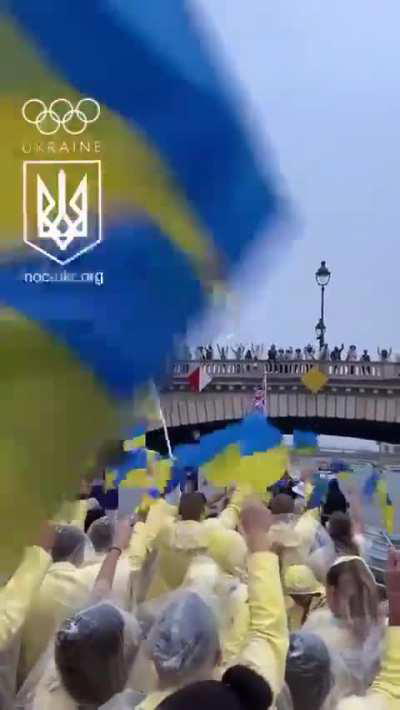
125 167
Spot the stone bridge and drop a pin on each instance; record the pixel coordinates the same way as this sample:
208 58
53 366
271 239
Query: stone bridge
358 399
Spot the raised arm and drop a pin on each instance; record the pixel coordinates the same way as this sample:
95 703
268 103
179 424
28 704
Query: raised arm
145 534
230 517
16 596
105 579
268 639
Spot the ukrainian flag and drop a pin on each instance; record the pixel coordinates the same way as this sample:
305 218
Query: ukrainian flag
183 196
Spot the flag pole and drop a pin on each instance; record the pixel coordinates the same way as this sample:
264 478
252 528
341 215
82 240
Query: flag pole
165 429
162 419
265 390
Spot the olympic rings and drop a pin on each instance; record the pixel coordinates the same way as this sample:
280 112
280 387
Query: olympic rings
60 113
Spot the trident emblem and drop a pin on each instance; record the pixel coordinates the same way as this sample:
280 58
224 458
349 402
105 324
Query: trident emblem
62 207
71 219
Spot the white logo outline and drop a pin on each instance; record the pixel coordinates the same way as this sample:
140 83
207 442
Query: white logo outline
61 118
45 203
34 245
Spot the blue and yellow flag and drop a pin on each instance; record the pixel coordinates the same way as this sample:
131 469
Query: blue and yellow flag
129 192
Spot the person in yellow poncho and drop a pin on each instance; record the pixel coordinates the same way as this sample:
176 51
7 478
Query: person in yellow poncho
15 600
351 625
94 649
60 593
184 651
224 573
179 541
309 665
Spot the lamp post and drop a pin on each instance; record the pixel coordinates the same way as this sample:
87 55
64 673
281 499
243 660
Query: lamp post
322 277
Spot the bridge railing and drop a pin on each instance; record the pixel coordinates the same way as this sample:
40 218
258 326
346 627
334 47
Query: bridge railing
296 369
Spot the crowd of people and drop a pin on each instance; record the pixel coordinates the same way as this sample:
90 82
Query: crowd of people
219 600
273 354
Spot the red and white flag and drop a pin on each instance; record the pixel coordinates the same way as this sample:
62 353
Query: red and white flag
199 379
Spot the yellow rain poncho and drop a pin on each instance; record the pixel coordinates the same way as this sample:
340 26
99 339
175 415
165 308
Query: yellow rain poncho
178 542
299 581
15 600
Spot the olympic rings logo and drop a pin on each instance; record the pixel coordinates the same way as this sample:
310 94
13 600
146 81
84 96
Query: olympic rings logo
61 112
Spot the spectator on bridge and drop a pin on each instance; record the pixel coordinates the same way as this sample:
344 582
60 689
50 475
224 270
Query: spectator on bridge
298 355
248 355
210 353
365 358
289 353
257 351
309 352
272 353
238 352
352 354
281 354
384 354
336 354
200 355
223 352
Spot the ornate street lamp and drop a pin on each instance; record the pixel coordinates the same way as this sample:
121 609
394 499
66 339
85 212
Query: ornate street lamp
322 277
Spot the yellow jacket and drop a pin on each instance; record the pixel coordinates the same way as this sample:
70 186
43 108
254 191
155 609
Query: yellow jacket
385 691
268 640
178 542
121 592
16 596
61 593
206 577
15 600
307 527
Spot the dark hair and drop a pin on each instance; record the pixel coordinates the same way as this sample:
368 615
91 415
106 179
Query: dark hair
192 506
281 504
335 500
357 595
68 544
341 532
89 654
240 689
92 515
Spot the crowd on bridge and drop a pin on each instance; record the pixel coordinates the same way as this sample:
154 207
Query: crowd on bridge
203 599
251 352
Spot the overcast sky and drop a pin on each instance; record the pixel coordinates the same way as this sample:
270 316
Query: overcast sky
323 81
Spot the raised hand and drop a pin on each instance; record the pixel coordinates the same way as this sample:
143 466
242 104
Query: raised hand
256 521
123 533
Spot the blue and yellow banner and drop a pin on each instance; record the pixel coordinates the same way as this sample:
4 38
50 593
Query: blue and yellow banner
120 142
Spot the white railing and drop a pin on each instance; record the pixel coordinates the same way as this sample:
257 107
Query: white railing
292 369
